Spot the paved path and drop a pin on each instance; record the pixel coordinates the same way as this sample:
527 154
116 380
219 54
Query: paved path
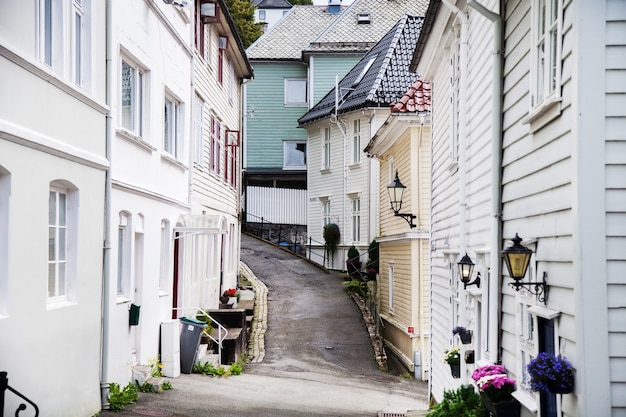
311 354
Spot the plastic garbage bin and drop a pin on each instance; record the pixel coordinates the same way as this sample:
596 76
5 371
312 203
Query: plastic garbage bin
189 341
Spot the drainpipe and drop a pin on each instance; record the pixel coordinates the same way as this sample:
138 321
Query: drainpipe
496 165
106 250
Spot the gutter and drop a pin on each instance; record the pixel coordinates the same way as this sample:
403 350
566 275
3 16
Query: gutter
496 165
106 250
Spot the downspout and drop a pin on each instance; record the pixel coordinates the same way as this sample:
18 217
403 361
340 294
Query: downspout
462 132
496 168
106 250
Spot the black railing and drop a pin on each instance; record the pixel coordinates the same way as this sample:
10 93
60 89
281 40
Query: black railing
4 386
291 237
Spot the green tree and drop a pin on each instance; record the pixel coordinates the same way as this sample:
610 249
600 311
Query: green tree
242 12
306 2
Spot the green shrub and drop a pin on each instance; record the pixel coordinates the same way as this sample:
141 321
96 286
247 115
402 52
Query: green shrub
120 398
331 238
356 285
353 253
464 402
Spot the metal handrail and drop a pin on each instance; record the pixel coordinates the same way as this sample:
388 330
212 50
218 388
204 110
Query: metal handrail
4 385
220 328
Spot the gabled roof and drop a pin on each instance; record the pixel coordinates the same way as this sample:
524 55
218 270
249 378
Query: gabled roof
291 34
417 99
272 4
363 24
379 79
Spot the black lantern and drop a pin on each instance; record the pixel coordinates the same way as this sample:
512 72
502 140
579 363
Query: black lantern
466 267
396 191
517 259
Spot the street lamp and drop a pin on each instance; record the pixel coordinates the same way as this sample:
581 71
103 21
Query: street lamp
396 191
466 267
517 259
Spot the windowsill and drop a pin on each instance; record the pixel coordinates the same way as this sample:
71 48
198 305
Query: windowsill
163 293
173 161
294 168
355 165
324 170
544 312
527 401
475 292
544 113
53 305
135 140
296 105
122 299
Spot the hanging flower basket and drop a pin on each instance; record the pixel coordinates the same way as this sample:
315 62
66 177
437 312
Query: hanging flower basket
453 358
464 334
551 374
455 370
495 389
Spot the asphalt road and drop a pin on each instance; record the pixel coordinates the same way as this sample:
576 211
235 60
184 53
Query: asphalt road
318 357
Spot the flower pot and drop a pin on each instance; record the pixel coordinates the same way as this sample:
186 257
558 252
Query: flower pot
455 370
501 409
466 336
224 299
232 301
565 387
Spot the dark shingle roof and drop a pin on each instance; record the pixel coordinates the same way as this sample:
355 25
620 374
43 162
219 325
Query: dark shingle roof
272 4
293 33
384 82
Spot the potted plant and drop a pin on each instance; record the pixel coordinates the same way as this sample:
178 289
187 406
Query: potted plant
372 262
453 358
464 334
331 238
232 295
551 374
353 263
495 388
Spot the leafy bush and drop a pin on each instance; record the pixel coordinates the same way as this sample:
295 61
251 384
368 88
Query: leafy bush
331 238
356 285
374 255
120 398
463 402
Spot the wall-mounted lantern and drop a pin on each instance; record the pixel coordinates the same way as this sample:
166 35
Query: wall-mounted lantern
209 11
517 259
466 267
396 191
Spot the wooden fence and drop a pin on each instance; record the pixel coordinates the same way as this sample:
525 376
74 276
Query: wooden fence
276 205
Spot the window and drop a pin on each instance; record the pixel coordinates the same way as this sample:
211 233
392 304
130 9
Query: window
62 228
232 81
294 155
325 211
391 287
295 92
455 75
171 119
124 230
356 220
212 144
326 150
262 15
356 142
199 29
64 38
546 53
366 68
5 193
164 271
198 131
132 100
216 145
223 45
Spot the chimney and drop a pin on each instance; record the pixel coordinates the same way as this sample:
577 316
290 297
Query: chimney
334 6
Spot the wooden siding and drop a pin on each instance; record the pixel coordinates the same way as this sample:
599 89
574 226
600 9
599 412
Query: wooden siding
276 205
325 69
269 121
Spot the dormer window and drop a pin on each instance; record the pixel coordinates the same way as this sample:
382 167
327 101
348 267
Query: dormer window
364 71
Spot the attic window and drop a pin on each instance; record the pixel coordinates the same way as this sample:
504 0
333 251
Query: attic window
364 71
363 18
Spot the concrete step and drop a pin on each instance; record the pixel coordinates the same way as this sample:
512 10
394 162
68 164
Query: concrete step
213 358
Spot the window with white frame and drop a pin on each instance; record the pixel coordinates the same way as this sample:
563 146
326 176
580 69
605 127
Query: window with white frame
232 82
132 97
325 211
198 131
262 15
199 29
124 233
326 149
65 38
455 75
62 237
546 50
356 219
295 92
164 270
391 287
171 118
5 194
294 154
216 145
356 142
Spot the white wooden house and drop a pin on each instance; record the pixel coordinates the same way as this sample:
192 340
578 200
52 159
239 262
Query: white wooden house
53 166
535 121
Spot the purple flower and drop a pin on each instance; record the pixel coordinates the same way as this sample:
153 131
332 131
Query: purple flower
550 373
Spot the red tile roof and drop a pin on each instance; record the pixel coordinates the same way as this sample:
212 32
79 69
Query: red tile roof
417 99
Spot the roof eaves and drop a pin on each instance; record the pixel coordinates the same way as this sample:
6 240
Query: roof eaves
431 14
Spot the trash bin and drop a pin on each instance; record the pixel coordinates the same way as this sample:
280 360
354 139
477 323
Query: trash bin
189 342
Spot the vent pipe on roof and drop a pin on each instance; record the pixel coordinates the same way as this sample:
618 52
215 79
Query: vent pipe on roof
363 18
334 6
